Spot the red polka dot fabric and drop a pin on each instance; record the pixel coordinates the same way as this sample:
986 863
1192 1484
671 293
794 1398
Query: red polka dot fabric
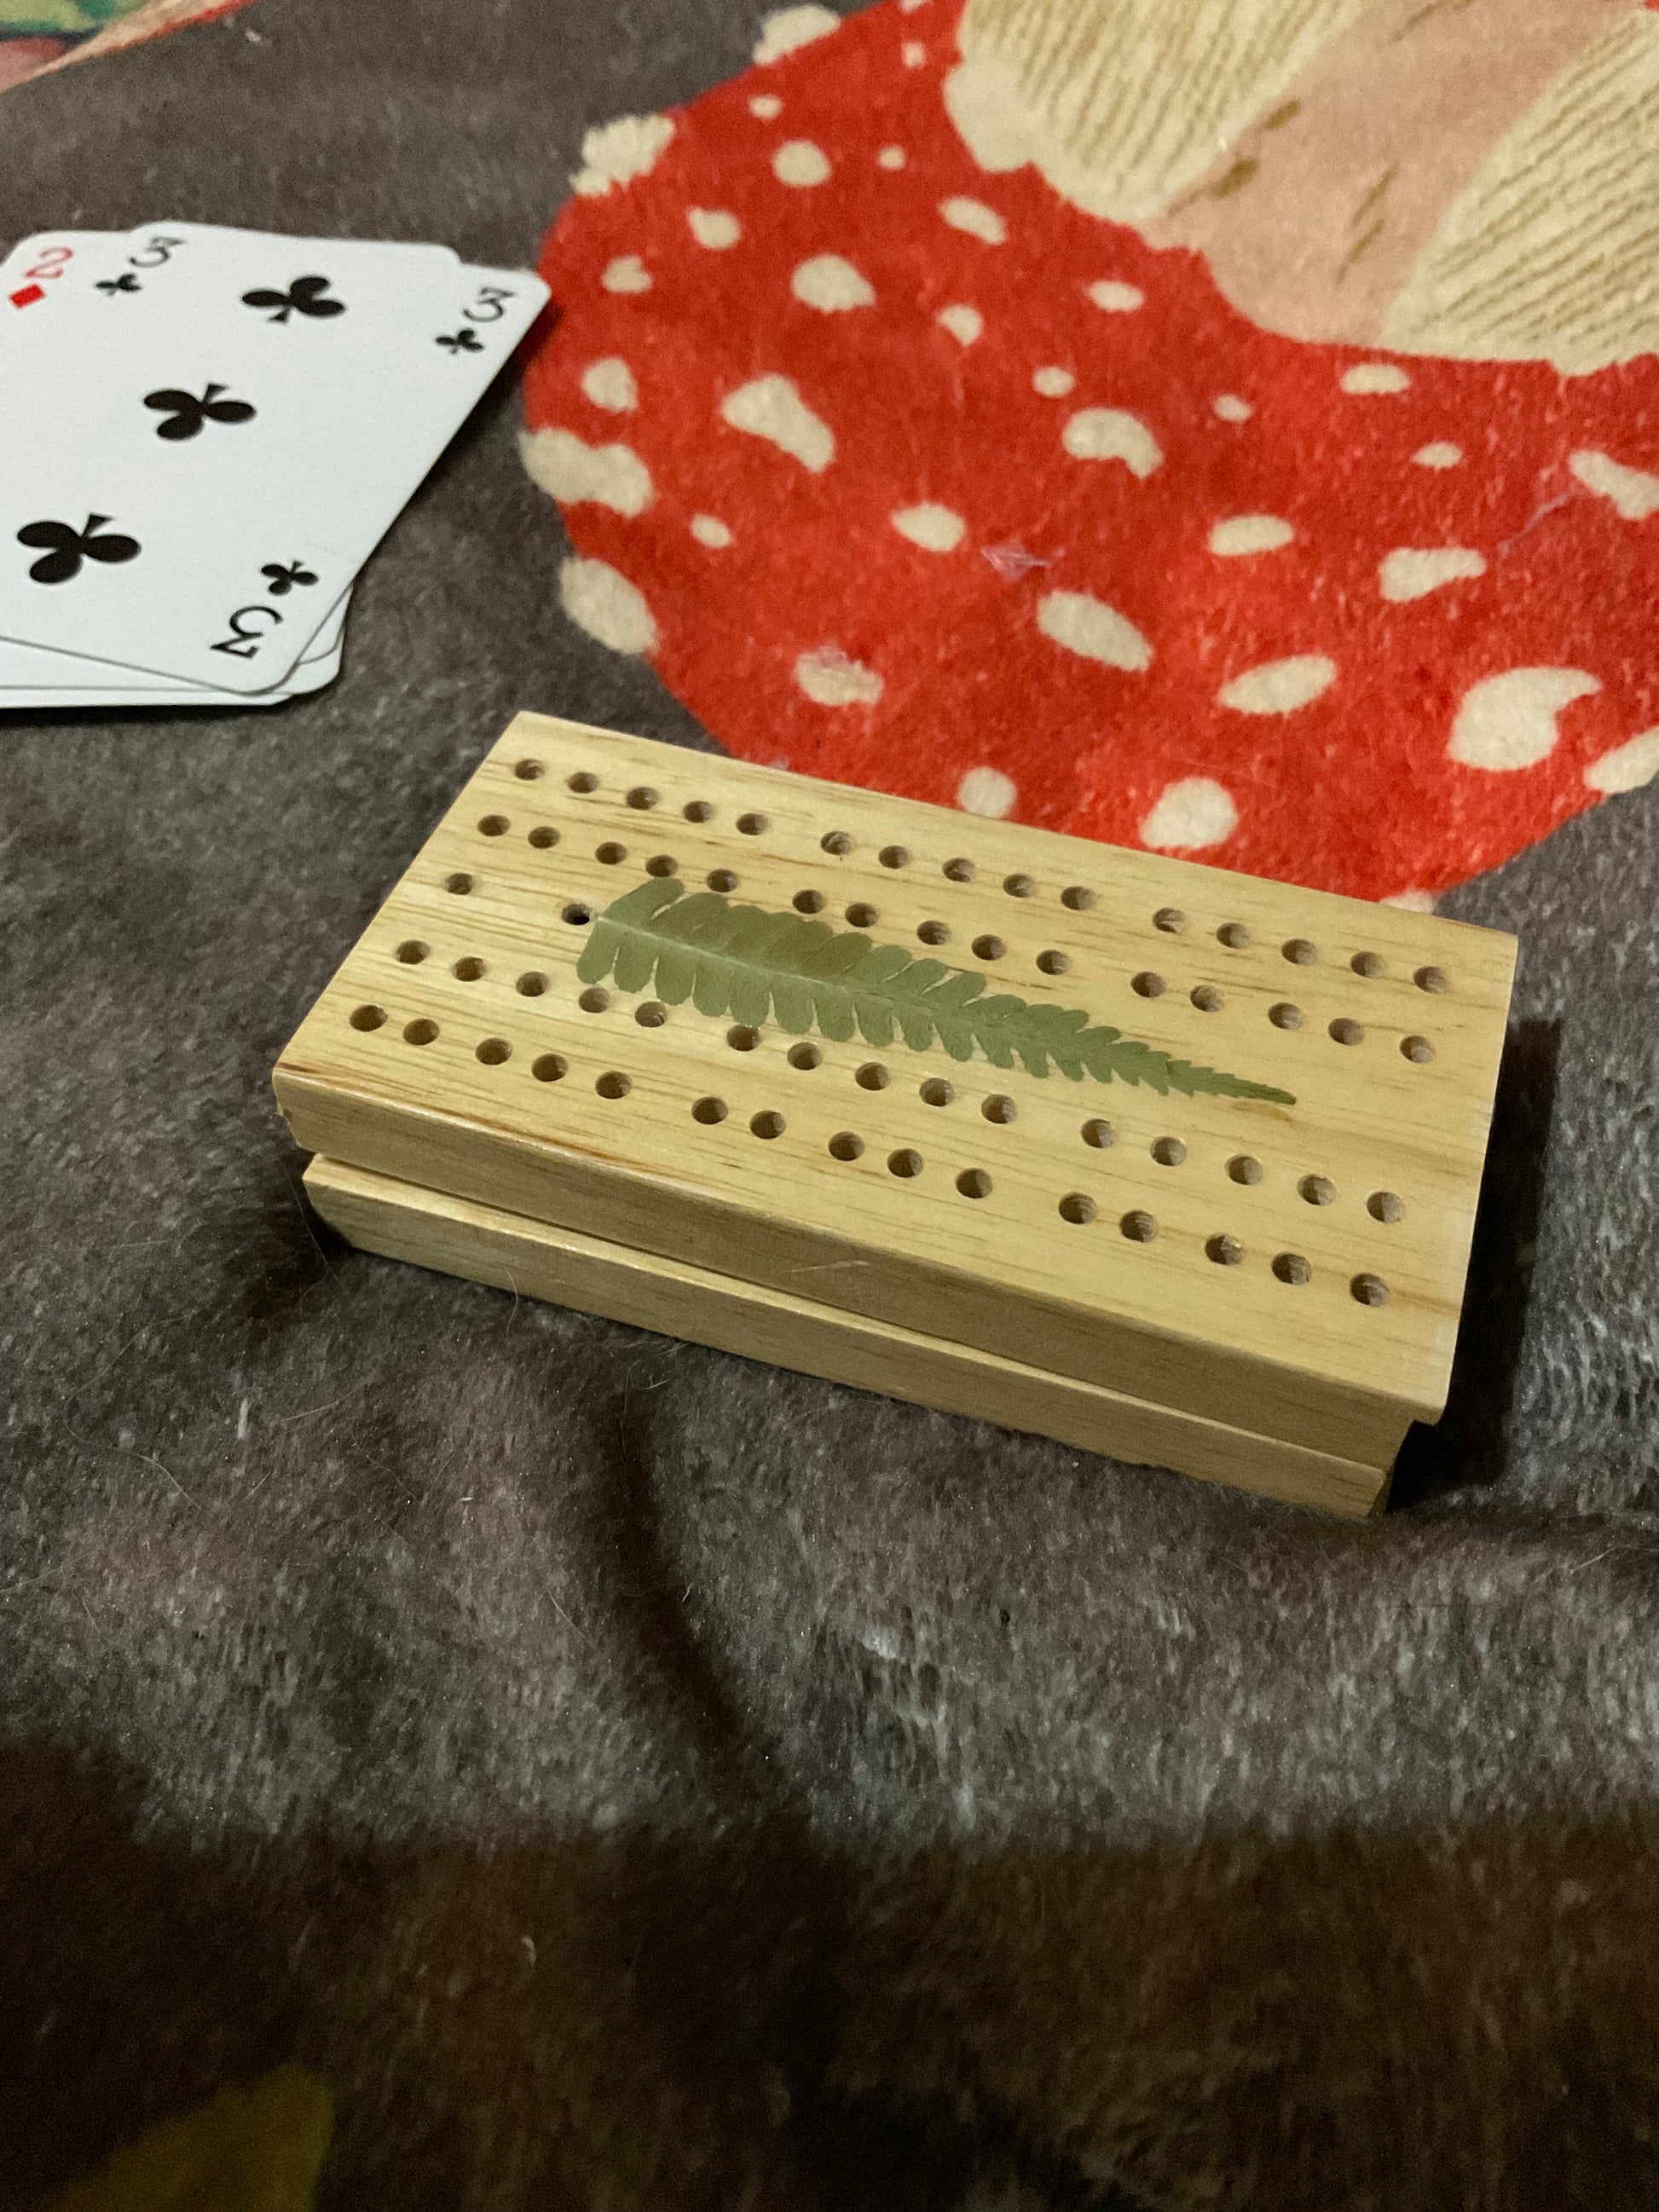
911 476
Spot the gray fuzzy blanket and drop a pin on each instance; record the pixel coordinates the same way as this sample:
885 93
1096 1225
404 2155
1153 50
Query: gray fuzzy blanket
634 1777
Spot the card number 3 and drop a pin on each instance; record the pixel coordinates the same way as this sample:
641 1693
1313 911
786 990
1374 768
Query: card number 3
248 632
490 305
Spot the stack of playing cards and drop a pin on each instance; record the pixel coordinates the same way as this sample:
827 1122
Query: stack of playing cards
206 433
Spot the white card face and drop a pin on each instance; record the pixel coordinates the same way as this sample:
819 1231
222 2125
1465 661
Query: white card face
210 455
33 677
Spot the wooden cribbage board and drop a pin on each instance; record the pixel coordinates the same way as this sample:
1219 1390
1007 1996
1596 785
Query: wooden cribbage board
1248 1289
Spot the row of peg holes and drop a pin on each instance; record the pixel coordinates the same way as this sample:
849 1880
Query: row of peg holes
1148 984
1169 920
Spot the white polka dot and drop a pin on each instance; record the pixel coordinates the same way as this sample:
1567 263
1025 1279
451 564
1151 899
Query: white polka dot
1107 434
1411 572
1116 299
830 677
1412 902
1634 492
787 29
1249 533
610 383
1376 376
1627 767
1231 409
709 530
1053 383
987 791
599 600
909 7
831 285
1279 687
1084 624
1509 722
912 53
890 157
627 273
714 228
974 217
798 161
571 472
616 152
938 529
767 106
964 322
1441 454
1188 816
771 407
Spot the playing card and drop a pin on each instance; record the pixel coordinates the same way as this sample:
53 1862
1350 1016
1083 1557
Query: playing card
215 449
33 676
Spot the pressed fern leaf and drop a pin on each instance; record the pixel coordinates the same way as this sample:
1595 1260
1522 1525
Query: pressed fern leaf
753 965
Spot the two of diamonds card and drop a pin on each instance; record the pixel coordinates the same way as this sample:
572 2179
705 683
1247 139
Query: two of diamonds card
206 433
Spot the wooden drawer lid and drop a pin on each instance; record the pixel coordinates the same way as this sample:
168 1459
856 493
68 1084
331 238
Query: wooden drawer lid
1214 1141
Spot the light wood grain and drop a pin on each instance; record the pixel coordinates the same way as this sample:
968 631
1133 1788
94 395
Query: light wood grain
532 1258
1006 1273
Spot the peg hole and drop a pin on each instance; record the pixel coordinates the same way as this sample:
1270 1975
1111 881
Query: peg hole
698 810
844 1145
1053 964
642 798
934 932
1431 979
960 870
467 970
742 1038
544 836
550 1067
1077 1207
862 915
766 1124
494 825
1225 1251
1366 964
651 1015
708 1111
893 856
1285 1016
578 914
1299 952
459 883
613 1084
1233 935
936 1091
1169 1151
531 985
1417 1050
367 1018
1139 1227
872 1076
808 901
836 842
998 1108
493 1051
1384 1205
904 1162
593 1000
527 771
1369 1290
1019 886
1344 1032
662 864
1100 1134
1170 920
1242 1169
720 880
611 854
1207 999
988 948
973 1183
1078 897
1318 1190
1292 1267
1146 985
411 952
583 781
420 1032
751 824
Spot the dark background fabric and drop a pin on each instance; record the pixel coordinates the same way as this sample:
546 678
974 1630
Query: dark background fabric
633 1777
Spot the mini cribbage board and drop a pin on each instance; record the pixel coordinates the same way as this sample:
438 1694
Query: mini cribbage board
1172 1164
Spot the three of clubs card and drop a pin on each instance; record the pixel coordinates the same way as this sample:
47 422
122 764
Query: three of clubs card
205 433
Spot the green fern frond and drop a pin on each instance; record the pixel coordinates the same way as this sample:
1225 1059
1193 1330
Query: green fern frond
743 962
